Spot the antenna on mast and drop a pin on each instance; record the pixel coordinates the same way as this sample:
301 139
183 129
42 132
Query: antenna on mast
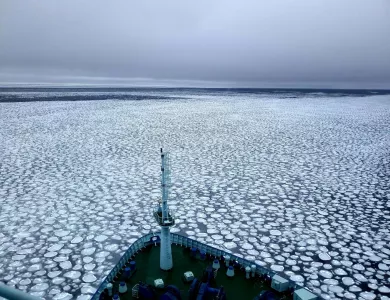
163 215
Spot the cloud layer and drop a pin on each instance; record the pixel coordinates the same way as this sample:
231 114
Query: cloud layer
241 42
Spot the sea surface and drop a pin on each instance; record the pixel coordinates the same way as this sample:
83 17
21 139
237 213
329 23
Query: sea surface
296 180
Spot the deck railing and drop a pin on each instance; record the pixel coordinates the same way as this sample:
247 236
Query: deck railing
187 242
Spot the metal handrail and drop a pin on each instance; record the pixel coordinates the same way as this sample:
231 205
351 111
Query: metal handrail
188 242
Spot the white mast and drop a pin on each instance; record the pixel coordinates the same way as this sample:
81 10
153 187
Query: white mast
164 217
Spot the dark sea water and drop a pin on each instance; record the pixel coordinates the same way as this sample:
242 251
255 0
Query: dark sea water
83 94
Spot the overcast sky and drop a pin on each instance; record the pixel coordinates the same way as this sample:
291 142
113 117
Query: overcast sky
303 43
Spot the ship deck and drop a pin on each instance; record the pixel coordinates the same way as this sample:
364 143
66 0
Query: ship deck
148 269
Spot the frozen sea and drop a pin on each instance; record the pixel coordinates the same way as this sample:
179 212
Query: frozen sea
298 181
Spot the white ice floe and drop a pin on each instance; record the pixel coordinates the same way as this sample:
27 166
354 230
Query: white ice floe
277 268
275 232
39 287
77 239
88 251
384 289
54 274
34 267
301 187
55 247
63 296
324 256
72 274
61 233
325 274
367 295
297 278
348 280
66 265
89 267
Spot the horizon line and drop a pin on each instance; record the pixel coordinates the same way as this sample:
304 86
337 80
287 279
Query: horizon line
122 86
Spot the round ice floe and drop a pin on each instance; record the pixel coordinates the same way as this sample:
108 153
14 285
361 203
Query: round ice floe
348 281
384 290
316 264
327 266
336 289
373 286
53 274
24 282
277 268
112 247
275 232
315 282
72 274
355 289
89 278
50 254
367 295
87 289
102 254
229 236
61 233
360 277
63 296
340 272
34 268
66 265
348 295
60 258
291 262
37 294
58 280
325 274
212 231
89 267
246 246
18 257
40 273
265 254
35 260
39 287
55 247
346 263
87 259
383 267
336 262
77 240
375 258
297 278
305 258
54 291
358 267
230 245
324 256
88 251
265 239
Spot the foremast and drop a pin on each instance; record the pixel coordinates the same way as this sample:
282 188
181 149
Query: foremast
163 216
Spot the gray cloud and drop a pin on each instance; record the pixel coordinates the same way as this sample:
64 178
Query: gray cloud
239 42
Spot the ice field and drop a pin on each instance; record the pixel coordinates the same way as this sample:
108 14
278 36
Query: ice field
297 182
